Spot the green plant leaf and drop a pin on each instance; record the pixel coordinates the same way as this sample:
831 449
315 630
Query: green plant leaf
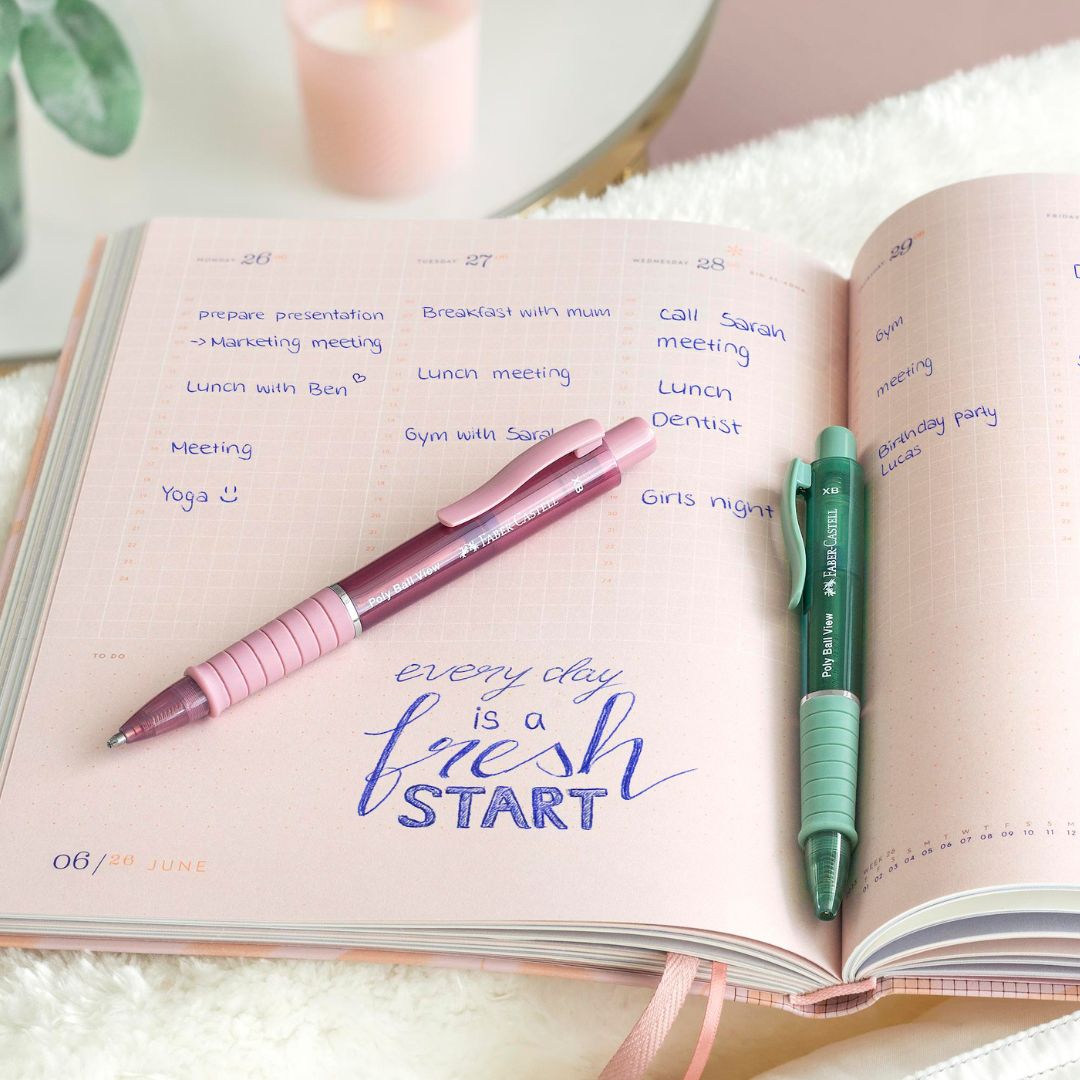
82 76
10 21
36 7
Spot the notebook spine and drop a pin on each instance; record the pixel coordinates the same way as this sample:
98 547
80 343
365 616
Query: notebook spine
842 997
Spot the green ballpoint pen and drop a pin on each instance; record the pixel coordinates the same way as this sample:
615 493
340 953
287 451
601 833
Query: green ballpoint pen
827 575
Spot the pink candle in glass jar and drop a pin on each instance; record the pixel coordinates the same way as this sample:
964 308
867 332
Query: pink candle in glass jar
388 87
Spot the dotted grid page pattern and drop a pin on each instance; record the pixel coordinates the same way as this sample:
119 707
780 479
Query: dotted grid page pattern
290 400
966 402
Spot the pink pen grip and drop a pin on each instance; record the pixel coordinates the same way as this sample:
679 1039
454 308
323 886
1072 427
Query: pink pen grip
302 634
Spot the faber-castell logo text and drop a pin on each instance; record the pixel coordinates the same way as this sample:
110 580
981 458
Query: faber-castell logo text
481 540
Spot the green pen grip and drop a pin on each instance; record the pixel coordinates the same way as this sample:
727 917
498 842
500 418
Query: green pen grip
829 760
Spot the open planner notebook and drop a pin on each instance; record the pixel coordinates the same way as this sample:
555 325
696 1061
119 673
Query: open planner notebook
249 410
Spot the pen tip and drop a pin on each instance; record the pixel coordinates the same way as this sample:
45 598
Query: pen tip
116 740
828 866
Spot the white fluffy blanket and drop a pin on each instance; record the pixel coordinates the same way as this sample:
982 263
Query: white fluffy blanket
823 187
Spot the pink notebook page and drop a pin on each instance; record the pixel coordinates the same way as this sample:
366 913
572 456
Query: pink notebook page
241 463
965 395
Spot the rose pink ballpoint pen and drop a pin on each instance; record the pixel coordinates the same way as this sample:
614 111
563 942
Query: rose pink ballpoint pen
539 486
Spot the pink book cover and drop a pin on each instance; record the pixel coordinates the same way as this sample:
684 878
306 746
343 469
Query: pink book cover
41 443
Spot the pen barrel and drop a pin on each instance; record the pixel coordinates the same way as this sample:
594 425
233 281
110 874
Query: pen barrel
298 636
410 571
834 576
829 765
442 553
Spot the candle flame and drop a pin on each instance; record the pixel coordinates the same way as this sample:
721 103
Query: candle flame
380 16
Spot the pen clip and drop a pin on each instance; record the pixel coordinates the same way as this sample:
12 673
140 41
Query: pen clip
579 439
798 479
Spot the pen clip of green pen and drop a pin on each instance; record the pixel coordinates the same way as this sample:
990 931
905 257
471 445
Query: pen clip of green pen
797 479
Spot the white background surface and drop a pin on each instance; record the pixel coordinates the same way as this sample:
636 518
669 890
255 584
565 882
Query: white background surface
222 134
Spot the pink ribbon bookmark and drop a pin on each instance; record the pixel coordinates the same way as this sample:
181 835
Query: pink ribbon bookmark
641 1045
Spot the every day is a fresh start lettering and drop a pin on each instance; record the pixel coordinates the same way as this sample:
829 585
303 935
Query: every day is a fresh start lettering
517 767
